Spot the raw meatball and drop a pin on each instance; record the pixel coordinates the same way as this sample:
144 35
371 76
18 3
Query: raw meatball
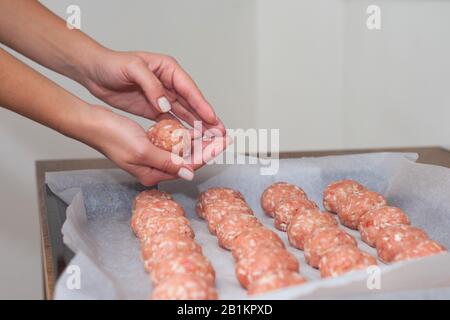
166 224
214 212
262 261
232 225
158 208
375 220
303 225
147 197
249 240
170 135
288 208
275 280
184 287
336 193
343 259
357 205
165 246
322 241
215 194
421 249
394 239
278 192
192 263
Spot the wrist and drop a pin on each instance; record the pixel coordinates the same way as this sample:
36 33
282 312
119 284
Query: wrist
91 124
82 66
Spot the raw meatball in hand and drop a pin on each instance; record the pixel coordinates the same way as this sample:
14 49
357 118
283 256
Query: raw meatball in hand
170 135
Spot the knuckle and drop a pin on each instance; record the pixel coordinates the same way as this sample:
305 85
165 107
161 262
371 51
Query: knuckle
135 61
139 154
171 59
167 166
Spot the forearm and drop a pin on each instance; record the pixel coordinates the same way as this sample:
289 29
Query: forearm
30 94
31 29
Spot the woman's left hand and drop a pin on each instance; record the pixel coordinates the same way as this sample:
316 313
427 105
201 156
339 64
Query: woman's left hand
149 85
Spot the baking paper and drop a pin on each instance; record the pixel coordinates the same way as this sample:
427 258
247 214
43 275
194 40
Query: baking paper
107 262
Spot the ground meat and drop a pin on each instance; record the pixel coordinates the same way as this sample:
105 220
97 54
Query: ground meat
303 225
278 192
249 240
322 241
167 246
336 193
170 135
288 208
262 261
357 205
375 220
232 225
343 259
275 280
184 287
193 263
147 197
215 194
394 239
166 224
214 212
158 208
421 249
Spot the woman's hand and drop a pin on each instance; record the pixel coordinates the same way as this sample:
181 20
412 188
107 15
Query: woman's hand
126 143
149 85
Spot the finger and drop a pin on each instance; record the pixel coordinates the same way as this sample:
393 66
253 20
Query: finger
180 81
182 109
167 162
213 148
193 134
205 151
150 176
154 90
182 113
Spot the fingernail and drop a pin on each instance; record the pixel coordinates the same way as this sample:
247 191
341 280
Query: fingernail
186 174
164 104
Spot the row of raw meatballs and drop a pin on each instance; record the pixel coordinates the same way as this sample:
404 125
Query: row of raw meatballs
262 262
330 248
325 245
178 269
384 227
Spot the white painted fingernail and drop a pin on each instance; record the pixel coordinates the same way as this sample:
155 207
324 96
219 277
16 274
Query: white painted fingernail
186 174
164 104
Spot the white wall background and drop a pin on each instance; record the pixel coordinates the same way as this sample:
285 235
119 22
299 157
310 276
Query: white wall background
310 68
329 83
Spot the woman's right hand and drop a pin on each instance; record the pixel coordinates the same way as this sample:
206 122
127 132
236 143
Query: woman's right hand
126 143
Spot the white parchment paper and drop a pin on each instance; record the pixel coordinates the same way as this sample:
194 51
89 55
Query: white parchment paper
107 253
